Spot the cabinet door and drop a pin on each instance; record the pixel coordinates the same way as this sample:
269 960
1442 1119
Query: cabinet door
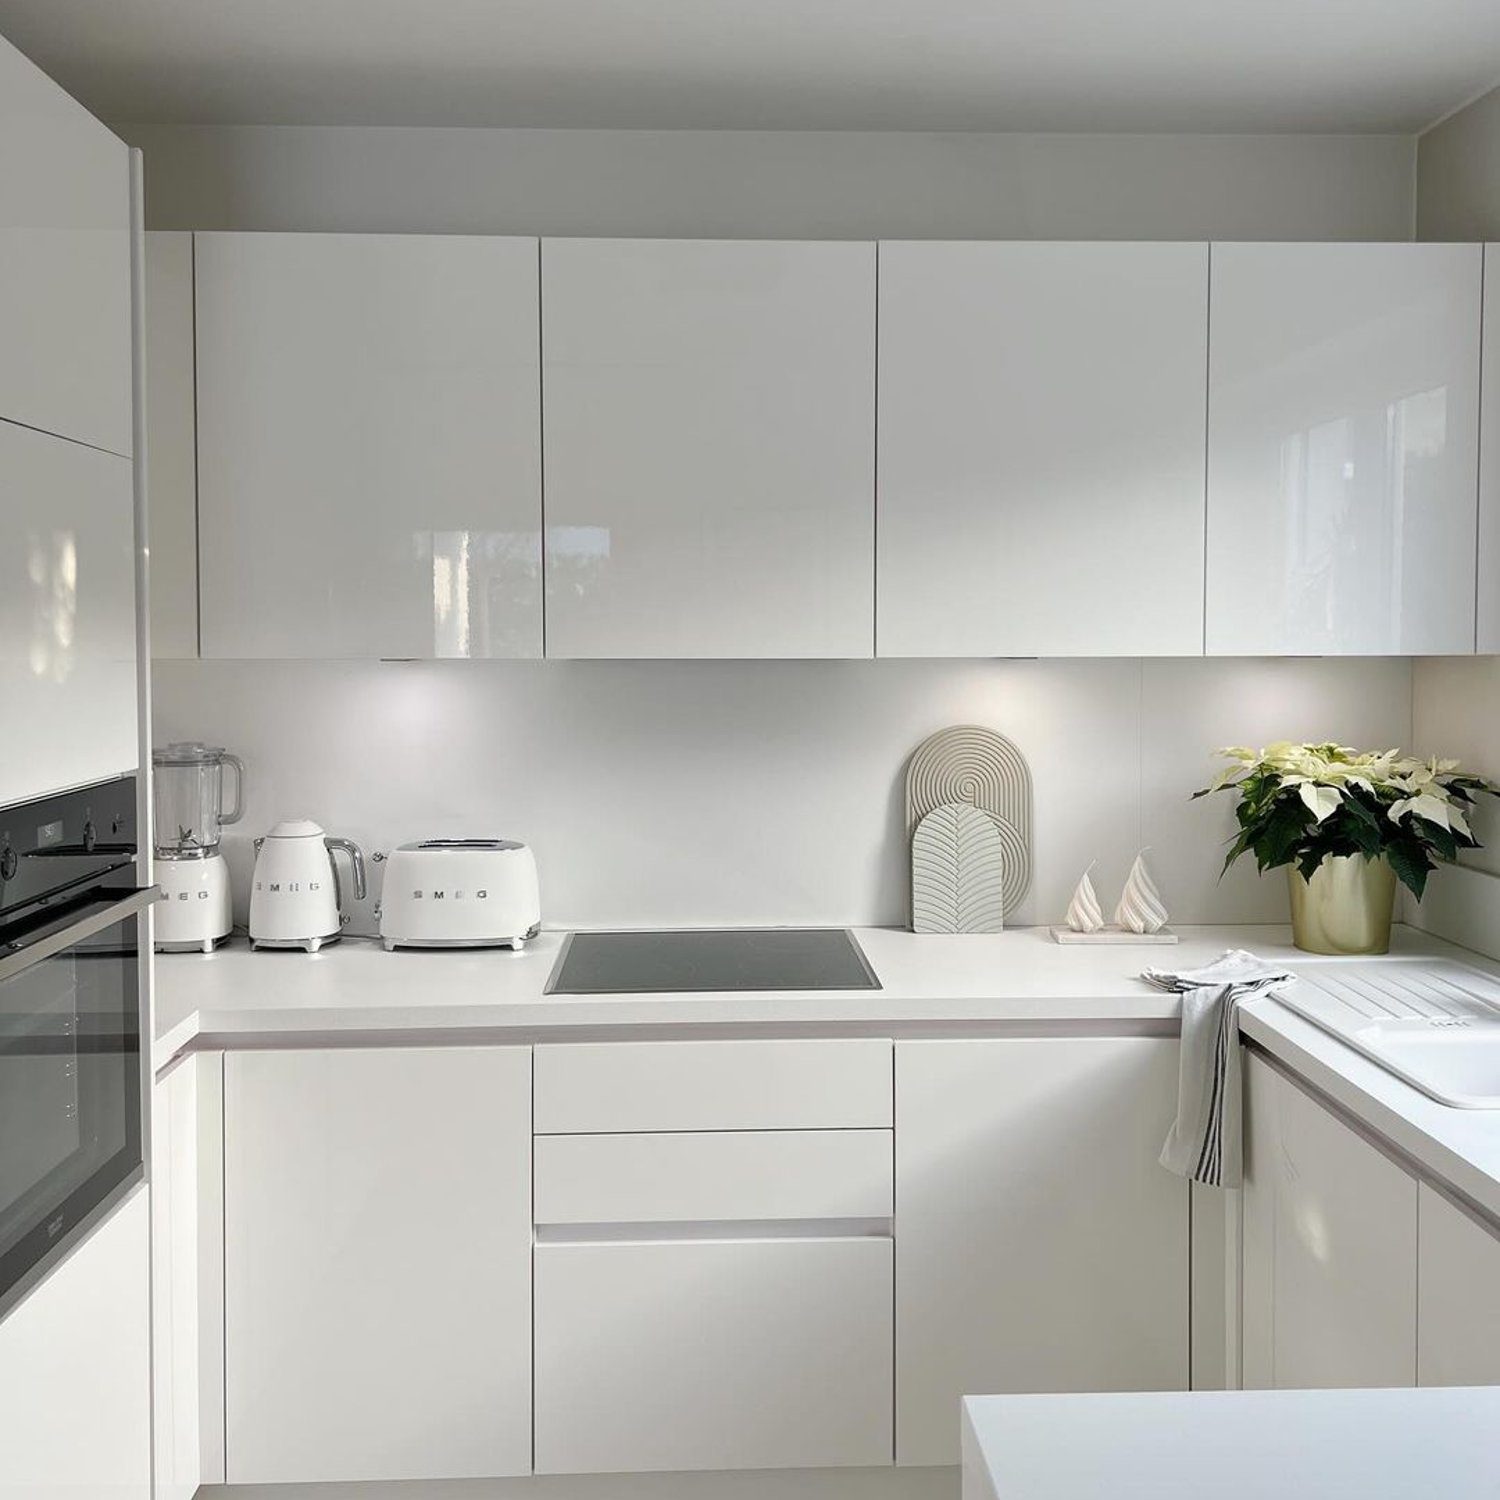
1343 449
1488 629
1330 1249
713 1354
1041 449
75 1371
377 1242
369 445
65 364
1043 1247
1458 1296
67 614
710 443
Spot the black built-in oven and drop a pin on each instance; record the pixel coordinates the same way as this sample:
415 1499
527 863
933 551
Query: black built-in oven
70 1021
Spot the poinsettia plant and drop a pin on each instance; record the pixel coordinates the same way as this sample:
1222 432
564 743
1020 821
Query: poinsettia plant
1299 804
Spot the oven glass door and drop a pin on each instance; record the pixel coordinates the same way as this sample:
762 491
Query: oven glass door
70 1087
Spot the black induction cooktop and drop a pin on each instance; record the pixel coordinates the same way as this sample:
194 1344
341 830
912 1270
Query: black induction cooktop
699 959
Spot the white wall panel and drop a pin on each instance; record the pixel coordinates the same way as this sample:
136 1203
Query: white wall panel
694 793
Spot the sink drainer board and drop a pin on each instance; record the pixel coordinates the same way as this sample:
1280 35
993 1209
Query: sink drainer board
1434 1024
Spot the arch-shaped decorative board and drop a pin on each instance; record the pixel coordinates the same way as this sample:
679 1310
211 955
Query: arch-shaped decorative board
974 765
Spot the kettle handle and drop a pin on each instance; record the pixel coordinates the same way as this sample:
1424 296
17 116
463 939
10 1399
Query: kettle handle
356 864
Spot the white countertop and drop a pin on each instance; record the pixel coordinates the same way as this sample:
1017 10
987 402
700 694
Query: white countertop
1235 1445
1018 978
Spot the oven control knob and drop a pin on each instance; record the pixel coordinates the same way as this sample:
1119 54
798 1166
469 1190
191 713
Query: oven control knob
90 836
8 863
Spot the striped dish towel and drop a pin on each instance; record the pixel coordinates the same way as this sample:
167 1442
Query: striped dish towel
1205 1142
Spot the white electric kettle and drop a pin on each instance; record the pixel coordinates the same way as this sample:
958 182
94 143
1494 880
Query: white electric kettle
294 896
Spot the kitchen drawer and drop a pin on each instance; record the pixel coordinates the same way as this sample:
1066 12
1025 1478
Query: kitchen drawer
612 1087
713 1354
729 1175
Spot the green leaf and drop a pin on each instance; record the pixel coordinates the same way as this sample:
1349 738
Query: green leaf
1439 838
1411 866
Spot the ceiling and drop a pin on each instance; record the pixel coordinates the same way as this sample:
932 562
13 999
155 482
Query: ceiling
1117 65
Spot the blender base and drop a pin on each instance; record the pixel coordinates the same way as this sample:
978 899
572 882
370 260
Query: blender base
195 915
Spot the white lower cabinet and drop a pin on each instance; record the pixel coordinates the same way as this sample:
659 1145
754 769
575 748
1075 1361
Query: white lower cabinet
377 1244
714 1255
741 1353
1329 1248
1041 1246
1458 1295
75 1371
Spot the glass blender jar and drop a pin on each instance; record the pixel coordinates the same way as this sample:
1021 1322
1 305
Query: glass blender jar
190 813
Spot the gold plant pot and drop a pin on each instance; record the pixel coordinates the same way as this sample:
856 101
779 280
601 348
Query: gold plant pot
1346 906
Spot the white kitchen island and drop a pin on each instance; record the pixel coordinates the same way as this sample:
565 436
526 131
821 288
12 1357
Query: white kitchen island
1234 1445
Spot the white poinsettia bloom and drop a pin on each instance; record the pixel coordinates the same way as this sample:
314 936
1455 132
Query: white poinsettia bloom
1322 801
1423 806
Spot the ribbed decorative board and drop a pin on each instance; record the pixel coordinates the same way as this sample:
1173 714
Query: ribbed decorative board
957 871
973 765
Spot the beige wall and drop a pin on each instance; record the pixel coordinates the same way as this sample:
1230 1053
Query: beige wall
778 183
1458 175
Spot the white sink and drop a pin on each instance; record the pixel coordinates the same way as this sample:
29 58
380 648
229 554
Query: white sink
1434 1024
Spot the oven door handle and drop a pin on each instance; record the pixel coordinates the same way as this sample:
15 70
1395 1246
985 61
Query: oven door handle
16 958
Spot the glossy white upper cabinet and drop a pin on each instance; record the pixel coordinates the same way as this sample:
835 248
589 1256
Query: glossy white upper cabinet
1488 630
1343 449
1041 449
171 444
67 613
368 446
65 364
710 448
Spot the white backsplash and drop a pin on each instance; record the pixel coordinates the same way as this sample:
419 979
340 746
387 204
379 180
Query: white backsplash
694 793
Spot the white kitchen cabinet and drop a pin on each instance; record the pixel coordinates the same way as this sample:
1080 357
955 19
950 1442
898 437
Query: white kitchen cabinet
377 1244
734 1353
1041 449
1343 449
171 444
67 614
735 1175
774 1084
187 1264
1041 1245
65 360
714 1255
75 1371
710 448
369 446
1458 1295
1329 1248
1488 627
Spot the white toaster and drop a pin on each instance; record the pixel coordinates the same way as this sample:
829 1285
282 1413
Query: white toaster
460 893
